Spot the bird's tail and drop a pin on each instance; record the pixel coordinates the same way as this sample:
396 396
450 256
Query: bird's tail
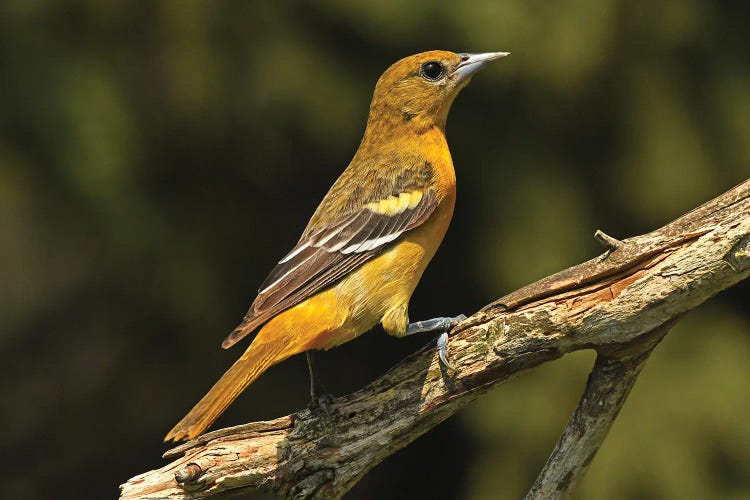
258 357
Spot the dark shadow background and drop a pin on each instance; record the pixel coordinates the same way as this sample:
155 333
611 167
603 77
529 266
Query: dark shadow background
157 159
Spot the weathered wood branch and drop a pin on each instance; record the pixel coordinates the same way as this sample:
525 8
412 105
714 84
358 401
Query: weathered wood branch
613 376
617 305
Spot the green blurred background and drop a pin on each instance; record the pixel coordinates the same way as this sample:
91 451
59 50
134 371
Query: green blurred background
157 158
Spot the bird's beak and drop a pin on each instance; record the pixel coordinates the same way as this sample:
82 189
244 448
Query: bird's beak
471 63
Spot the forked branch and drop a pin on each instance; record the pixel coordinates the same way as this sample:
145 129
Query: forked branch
619 305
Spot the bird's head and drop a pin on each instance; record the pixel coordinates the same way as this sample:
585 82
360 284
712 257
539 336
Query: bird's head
421 88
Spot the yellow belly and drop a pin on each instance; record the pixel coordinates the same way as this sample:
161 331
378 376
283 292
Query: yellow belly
380 290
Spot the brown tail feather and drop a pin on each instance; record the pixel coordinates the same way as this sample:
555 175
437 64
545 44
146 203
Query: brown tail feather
258 357
245 328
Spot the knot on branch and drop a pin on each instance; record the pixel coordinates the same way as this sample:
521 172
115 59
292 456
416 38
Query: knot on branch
189 474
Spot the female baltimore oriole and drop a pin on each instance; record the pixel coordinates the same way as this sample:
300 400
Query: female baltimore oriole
370 239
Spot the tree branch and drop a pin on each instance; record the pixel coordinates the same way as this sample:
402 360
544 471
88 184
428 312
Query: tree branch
613 376
618 305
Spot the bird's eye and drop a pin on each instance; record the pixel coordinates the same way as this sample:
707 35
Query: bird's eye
432 70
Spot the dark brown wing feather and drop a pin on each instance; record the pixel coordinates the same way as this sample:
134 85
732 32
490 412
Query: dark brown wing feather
322 258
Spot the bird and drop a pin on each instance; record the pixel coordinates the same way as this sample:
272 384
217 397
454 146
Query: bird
367 244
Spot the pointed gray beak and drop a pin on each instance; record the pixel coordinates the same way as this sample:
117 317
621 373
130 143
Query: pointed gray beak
471 63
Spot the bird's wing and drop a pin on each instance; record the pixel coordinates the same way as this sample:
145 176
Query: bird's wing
325 255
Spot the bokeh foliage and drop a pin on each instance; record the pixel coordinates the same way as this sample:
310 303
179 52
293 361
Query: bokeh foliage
157 158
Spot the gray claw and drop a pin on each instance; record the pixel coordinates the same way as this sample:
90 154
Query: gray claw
442 347
458 319
321 399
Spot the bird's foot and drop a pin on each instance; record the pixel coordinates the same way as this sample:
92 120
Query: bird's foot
442 349
442 325
320 399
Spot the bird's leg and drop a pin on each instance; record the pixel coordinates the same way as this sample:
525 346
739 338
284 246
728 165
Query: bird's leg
318 393
442 325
